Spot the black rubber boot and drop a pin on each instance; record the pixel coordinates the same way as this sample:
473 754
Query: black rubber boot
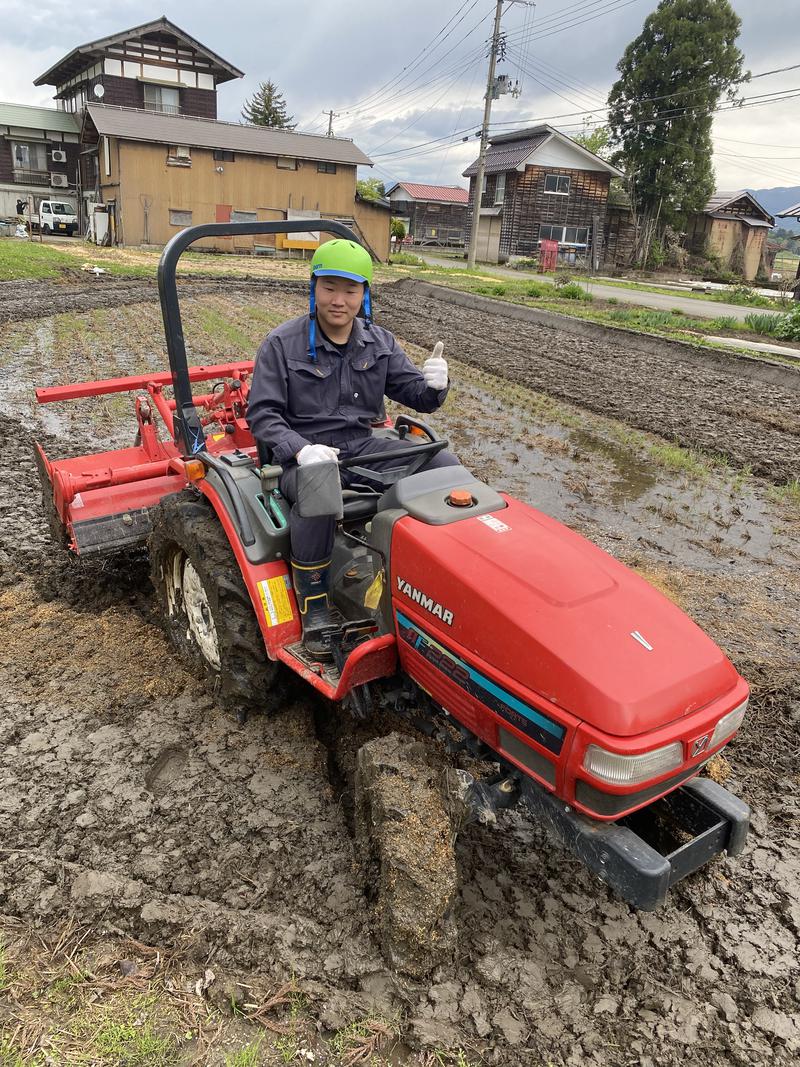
311 583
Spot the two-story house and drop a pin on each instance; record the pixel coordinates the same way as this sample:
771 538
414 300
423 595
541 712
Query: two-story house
539 184
38 157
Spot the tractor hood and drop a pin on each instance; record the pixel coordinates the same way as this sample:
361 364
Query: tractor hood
520 593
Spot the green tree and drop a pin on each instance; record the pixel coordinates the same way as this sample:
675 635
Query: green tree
397 228
596 140
370 188
672 77
266 107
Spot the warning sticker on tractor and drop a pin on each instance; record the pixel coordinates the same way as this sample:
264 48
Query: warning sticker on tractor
493 523
275 599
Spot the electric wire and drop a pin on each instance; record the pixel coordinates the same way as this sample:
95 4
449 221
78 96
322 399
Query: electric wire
393 84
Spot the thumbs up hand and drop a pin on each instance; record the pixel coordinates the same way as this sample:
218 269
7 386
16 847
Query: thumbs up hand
434 369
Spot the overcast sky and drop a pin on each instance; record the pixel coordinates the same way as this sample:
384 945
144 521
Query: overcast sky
395 81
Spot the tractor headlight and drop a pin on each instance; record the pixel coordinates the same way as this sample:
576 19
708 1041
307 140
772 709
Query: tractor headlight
728 725
630 770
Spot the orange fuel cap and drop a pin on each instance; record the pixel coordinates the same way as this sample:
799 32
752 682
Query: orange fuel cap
460 498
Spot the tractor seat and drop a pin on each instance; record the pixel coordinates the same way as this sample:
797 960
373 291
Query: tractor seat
357 505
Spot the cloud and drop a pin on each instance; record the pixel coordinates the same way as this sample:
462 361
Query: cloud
394 84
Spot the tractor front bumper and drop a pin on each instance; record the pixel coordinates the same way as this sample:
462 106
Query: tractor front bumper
644 854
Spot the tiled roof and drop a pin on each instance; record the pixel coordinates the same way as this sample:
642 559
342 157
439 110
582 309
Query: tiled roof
38 118
81 57
507 151
445 194
131 124
790 212
722 200
506 154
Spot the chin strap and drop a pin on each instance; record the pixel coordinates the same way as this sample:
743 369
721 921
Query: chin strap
367 307
312 322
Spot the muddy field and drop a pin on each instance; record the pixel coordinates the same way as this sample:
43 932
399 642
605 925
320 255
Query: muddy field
135 806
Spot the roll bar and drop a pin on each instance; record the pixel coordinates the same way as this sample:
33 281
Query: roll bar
189 434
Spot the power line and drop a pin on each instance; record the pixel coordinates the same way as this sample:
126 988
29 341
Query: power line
434 145
422 114
408 96
394 82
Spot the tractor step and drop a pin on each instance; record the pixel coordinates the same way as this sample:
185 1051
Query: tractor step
326 670
642 855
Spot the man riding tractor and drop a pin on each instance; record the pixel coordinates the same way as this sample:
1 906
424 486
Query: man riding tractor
318 387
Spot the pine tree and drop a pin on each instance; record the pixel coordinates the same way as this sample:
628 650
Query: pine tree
672 78
266 107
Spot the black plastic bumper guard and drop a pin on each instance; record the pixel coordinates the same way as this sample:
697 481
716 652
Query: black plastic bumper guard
712 818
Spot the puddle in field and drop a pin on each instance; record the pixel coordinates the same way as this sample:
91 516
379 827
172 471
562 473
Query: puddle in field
633 476
611 492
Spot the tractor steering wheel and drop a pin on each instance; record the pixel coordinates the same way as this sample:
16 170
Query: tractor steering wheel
417 454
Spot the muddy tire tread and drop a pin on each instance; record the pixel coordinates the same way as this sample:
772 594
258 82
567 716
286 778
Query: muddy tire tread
247 680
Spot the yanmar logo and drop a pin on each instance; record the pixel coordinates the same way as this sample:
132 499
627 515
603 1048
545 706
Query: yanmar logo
424 601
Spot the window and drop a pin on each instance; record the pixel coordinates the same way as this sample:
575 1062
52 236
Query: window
179 155
286 163
557 183
577 236
29 158
323 167
179 217
221 155
500 189
244 216
162 98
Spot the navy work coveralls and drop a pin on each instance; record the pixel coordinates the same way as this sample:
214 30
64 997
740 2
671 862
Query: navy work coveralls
295 402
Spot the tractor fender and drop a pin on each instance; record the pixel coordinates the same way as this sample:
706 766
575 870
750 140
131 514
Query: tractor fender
268 584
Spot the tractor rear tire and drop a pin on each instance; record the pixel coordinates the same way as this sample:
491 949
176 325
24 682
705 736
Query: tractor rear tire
204 605
404 834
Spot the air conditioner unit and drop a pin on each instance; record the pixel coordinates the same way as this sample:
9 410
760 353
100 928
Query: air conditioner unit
58 156
59 181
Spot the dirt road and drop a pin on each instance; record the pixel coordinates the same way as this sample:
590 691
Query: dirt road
704 309
131 802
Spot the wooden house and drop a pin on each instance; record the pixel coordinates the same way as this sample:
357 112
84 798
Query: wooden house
733 227
38 157
159 173
153 67
433 214
539 184
155 158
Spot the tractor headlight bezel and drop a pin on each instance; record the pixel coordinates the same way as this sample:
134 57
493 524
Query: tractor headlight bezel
729 724
617 769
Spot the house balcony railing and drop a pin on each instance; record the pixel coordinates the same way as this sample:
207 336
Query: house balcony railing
162 109
31 177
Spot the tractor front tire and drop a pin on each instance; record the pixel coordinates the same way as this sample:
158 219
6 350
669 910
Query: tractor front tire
204 605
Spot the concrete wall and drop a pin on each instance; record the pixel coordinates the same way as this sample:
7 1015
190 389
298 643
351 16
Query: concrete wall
726 234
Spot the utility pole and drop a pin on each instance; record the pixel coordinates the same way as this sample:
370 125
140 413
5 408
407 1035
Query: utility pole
492 92
331 117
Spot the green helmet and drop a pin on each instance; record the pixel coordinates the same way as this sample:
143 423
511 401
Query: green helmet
342 258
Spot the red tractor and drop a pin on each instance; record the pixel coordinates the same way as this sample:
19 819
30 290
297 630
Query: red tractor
596 698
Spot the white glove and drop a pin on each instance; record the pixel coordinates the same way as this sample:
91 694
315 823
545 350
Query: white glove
434 369
316 454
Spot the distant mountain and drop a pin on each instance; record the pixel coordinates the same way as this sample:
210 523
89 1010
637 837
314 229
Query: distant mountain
775 200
